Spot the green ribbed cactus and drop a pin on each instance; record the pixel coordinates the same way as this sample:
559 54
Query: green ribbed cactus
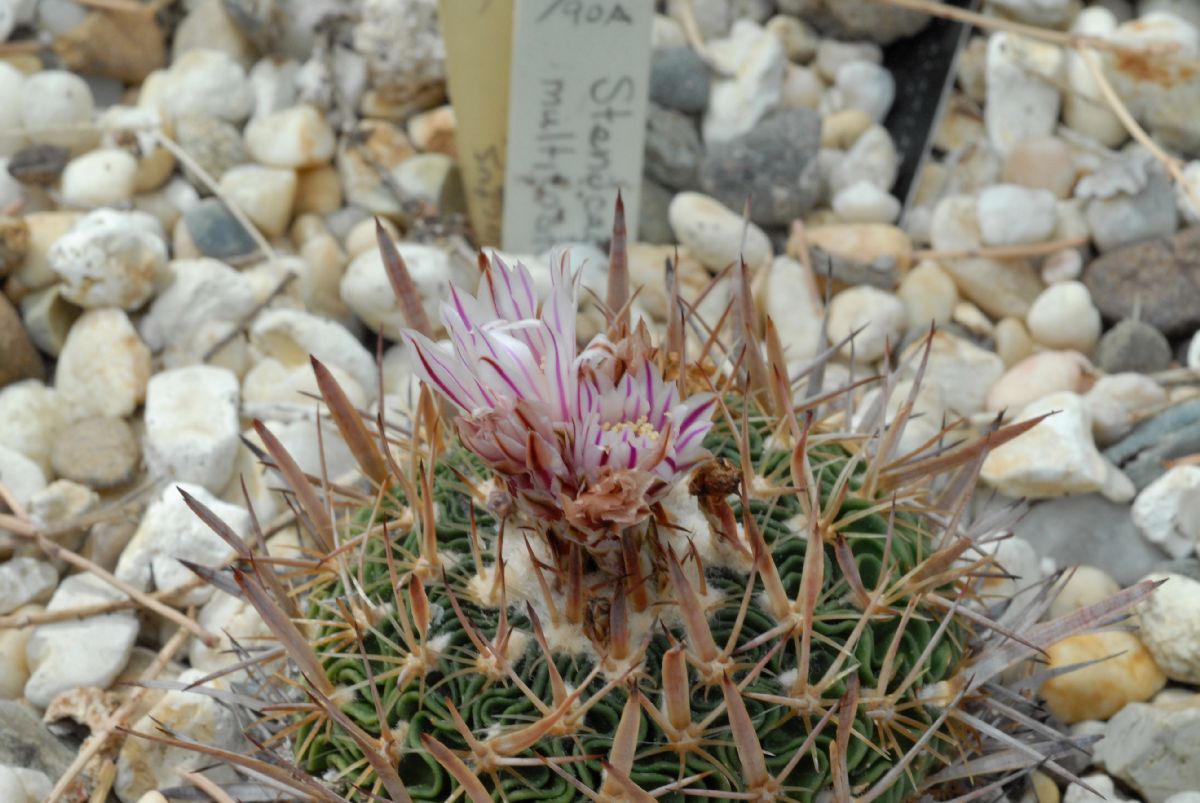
641 570
663 682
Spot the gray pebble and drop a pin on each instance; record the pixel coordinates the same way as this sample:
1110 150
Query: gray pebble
679 80
1159 277
216 232
1133 345
673 149
653 224
775 166
1186 567
1142 453
1089 529
1126 219
215 144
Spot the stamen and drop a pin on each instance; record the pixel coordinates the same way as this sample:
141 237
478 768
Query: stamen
641 427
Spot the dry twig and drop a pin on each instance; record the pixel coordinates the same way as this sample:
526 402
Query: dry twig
99 738
211 183
1003 251
19 523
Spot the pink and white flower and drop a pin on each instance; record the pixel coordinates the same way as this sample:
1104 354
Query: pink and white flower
585 436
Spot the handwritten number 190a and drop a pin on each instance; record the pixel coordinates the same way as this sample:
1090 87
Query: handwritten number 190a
587 12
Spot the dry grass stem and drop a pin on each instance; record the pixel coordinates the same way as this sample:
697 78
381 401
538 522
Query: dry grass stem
20 48
212 185
1171 164
207 786
25 528
99 738
1061 38
1004 251
122 6
20 620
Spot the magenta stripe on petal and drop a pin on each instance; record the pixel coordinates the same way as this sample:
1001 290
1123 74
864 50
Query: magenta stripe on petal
437 380
695 414
682 445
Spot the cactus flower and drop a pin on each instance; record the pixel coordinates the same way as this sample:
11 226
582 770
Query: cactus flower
593 436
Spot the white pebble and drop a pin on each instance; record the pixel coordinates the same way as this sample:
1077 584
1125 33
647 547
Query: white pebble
290 336
928 294
802 88
21 476
1010 214
273 85
192 425
1015 557
274 390
265 194
78 653
197 292
1118 400
423 177
1062 266
1193 352
110 258
1039 375
1023 98
1055 457
739 103
1102 784
24 580
365 288
864 202
1167 511
144 765
295 137
880 315
169 531
1064 317
57 108
17 784
868 86
971 318
794 303
872 158
713 233
104 366
962 370
832 54
206 82
1187 192
1086 585
1081 111
1170 627
232 620
1013 342
31 415
104 177
11 80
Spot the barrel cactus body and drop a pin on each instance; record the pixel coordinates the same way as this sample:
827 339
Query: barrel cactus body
693 684
643 570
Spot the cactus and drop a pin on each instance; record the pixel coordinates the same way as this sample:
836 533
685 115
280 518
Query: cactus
626 573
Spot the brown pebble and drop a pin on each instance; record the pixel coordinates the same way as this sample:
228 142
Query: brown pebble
39 164
14 243
124 46
1042 163
98 452
18 358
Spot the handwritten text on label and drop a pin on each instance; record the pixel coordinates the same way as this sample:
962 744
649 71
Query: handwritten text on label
576 119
